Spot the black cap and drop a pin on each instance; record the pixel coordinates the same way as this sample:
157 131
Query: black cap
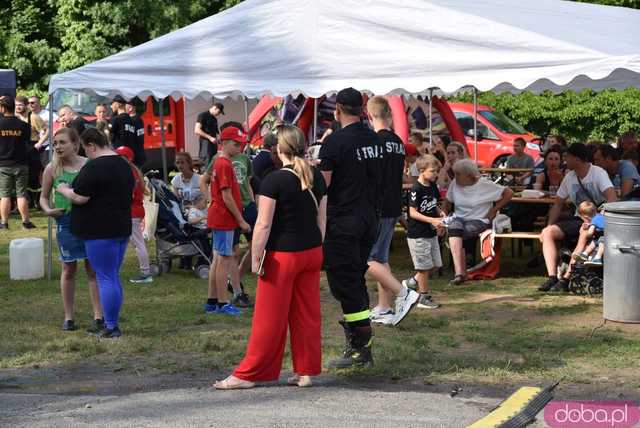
220 107
580 151
349 97
133 101
119 99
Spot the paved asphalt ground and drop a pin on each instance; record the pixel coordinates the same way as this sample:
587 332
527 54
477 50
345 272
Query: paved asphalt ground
330 403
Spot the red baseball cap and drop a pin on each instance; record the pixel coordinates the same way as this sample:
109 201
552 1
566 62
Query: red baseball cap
126 152
234 134
410 150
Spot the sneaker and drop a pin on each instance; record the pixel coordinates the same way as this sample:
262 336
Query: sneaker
378 311
110 333
457 280
561 286
28 225
410 283
96 326
580 257
229 309
548 284
241 300
596 261
426 302
142 279
404 305
69 325
385 318
210 309
4 225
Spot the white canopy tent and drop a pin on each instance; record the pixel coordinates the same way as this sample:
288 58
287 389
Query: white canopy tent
384 46
285 47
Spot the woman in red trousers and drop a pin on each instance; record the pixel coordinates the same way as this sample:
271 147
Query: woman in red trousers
289 231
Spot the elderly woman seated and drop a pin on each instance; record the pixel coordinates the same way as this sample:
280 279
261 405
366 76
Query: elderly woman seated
472 198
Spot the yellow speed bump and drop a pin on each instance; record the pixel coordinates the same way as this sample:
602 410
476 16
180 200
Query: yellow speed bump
509 408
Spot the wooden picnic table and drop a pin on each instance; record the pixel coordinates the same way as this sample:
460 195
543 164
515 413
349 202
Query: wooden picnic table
505 170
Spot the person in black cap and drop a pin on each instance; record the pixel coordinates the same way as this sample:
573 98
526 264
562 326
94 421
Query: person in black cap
138 150
123 130
207 131
584 182
352 166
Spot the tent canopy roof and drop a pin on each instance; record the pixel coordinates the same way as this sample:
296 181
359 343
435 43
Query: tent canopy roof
383 46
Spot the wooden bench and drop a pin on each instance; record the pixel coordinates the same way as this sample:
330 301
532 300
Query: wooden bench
520 236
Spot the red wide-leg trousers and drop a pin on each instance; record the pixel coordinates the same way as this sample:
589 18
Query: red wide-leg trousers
288 295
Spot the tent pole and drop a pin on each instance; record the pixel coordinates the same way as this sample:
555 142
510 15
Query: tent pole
475 124
430 119
246 120
49 219
315 122
163 147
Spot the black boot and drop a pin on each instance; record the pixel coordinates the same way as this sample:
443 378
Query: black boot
357 351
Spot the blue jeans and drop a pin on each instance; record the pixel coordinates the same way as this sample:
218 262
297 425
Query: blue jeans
106 256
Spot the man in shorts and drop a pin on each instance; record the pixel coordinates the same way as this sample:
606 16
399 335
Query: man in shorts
14 172
390 290
584 182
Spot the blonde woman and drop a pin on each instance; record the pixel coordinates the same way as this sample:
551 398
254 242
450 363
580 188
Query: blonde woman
289 231
64 167
455 152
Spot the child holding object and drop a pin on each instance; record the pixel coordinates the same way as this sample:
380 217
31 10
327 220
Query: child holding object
593 232
424 227
137 218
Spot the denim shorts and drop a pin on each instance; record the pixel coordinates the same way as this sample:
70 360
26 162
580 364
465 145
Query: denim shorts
223 242
461 228
71 247
380 251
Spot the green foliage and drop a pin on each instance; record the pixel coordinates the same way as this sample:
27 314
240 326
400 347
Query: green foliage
578 116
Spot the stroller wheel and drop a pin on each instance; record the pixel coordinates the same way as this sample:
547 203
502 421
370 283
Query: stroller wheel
595 285
201 271
165 266
155 269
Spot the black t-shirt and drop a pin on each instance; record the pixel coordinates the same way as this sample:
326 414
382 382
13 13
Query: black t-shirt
108 182
425 199
15 136
295 226
138 150
393 172
123 132
209 124
354 154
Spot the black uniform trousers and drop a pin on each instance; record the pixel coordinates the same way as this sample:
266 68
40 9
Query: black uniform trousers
347 245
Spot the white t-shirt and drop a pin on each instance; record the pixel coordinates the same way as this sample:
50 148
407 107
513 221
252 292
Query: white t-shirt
474 202
596 182
188 190
194 213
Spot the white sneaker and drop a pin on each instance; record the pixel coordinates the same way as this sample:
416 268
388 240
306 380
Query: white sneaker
385 318
377 311
404 305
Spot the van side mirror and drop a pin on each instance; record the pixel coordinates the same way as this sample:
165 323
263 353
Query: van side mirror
470 134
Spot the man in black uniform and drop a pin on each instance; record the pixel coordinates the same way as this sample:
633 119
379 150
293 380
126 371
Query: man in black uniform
14 172
123 131
207 131
138 124
352 166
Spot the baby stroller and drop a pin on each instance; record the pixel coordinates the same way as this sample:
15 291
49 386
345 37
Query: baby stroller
585 279
175 237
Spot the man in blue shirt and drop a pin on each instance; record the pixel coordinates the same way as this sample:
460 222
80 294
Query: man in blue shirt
623 174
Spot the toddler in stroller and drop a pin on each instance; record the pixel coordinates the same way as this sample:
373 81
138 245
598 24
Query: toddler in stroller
584 271
175 237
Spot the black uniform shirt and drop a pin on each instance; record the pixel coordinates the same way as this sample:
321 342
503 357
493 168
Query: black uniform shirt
393 171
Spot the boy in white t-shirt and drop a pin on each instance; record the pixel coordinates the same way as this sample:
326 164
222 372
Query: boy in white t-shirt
585 182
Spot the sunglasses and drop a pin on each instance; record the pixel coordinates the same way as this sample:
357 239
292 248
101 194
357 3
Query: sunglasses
33 102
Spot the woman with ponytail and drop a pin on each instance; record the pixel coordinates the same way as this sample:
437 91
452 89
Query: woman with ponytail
64 167
287 256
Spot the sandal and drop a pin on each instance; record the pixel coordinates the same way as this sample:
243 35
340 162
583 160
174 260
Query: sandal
233 382
457 280
301 381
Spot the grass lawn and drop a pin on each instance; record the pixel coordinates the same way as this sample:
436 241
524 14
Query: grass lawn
502 332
